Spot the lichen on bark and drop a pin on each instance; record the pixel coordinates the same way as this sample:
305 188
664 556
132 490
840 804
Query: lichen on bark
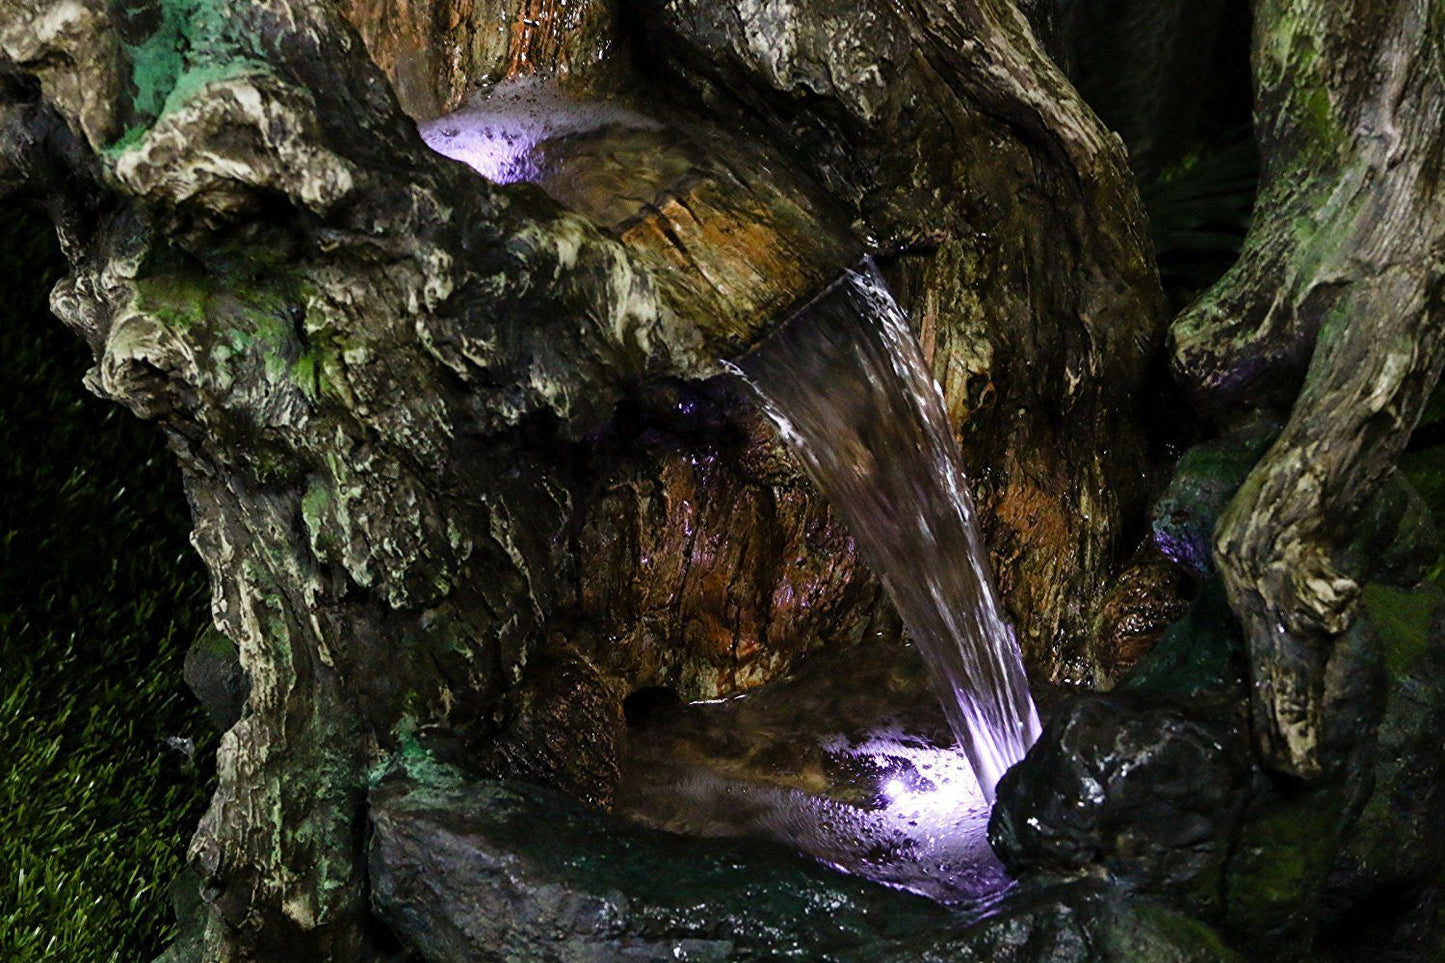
1333 308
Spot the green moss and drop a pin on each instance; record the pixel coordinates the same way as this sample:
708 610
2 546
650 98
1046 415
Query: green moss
1402 619
176 300
1426 471
1205 480
414 762
315 514
213 641
1279 864
306 373
1150 933
1395 540
1317 118
157 61
195 42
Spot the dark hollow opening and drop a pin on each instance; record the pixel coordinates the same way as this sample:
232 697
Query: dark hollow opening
648 704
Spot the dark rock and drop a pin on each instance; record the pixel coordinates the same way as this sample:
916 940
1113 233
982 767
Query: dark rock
1200 656
1308 856
1149 594
1353 700
1144 795
1085 921
1275 873
213 671
485 870
1205 479
1389 863
1396 539
190 912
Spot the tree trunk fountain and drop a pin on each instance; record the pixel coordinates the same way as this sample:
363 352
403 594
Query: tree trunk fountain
472 476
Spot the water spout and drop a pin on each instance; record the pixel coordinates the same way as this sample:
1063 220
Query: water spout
848 387
846 382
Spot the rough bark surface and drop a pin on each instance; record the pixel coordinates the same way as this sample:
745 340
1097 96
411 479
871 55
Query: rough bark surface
438 53
452 448
920 125
1339 288
959 147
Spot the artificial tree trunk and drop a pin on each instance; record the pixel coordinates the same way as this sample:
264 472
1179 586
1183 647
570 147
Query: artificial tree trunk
1335 300
459 458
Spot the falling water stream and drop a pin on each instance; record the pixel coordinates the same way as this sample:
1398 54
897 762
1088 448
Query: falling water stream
847 760
847 384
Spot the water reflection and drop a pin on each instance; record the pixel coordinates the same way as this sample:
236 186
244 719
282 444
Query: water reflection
850 762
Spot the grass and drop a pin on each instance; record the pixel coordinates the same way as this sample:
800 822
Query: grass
100 595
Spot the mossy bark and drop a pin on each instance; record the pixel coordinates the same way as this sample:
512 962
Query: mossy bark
1334 307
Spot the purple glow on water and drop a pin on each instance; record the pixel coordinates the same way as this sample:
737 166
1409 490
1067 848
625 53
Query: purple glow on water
848 761
500 154
929 793
497 134
923 828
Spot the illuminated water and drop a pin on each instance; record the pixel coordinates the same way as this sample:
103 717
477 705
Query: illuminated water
848 386
849 761
853 762
498 134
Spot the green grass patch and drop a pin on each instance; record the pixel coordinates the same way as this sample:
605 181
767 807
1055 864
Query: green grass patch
100 594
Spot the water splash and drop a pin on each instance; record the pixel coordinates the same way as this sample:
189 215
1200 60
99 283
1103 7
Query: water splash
849 389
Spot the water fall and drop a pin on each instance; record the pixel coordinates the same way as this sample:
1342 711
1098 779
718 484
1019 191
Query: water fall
848 387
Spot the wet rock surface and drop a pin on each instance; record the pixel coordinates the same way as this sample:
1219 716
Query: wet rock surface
1145 795
1383 892
1205 479
849 761
548 880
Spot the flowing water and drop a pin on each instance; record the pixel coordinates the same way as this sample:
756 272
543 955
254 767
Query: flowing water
849 760
847 384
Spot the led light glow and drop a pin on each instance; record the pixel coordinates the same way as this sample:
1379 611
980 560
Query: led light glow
498 133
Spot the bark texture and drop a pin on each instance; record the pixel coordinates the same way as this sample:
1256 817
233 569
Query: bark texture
455 452
1336 299
437 52
953 139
